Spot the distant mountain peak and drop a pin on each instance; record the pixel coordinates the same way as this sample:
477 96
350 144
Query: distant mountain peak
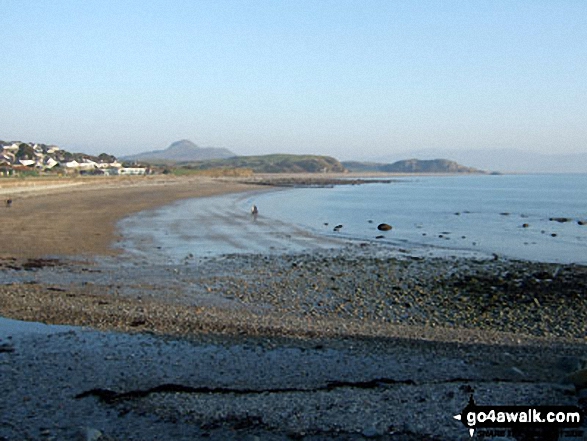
182 144
183 150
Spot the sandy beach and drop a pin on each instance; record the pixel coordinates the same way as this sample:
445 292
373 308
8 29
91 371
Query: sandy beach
352 342
70 217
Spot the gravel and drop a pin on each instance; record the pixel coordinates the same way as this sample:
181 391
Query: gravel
353 343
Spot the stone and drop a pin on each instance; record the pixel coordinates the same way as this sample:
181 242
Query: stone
560 219
518 371
6 348
91 434
384 227
371 432
578 378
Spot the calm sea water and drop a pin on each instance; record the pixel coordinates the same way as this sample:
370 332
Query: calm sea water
483 214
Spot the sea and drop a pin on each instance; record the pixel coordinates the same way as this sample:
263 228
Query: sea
528 217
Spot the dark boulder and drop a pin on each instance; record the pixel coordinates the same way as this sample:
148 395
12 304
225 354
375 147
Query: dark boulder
560 219
384 227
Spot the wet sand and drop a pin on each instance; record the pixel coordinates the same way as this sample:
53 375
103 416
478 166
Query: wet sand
206 227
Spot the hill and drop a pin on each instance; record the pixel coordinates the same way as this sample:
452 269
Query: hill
411 166
501 159
180 151
276 163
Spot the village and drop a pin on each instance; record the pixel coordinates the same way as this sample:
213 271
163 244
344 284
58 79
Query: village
26 159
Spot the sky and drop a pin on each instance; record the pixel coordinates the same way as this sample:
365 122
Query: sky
351 79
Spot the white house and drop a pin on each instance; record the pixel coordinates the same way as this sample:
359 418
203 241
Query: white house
132 171
50 163
27 162
9 156
105 165
88 164
11 148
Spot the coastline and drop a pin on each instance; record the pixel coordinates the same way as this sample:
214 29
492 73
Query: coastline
77 217
277 346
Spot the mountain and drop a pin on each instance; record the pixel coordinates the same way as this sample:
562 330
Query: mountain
276 163
181 151
411 166
503 160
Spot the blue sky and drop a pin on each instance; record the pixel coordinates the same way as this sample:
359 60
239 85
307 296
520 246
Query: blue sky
352 79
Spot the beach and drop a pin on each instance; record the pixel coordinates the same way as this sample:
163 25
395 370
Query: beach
351 341
69 217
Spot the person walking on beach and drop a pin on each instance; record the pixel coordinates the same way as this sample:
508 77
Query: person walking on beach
8 203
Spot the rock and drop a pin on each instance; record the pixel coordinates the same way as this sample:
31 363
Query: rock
525 225
578 378
91 434
554 234
384 227
582 222
371 432
560 219
379 237
6 348
518 371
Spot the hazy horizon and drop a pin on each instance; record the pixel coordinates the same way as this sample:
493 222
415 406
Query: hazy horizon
349 79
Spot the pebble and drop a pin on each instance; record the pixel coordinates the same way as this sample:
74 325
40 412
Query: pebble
354 283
